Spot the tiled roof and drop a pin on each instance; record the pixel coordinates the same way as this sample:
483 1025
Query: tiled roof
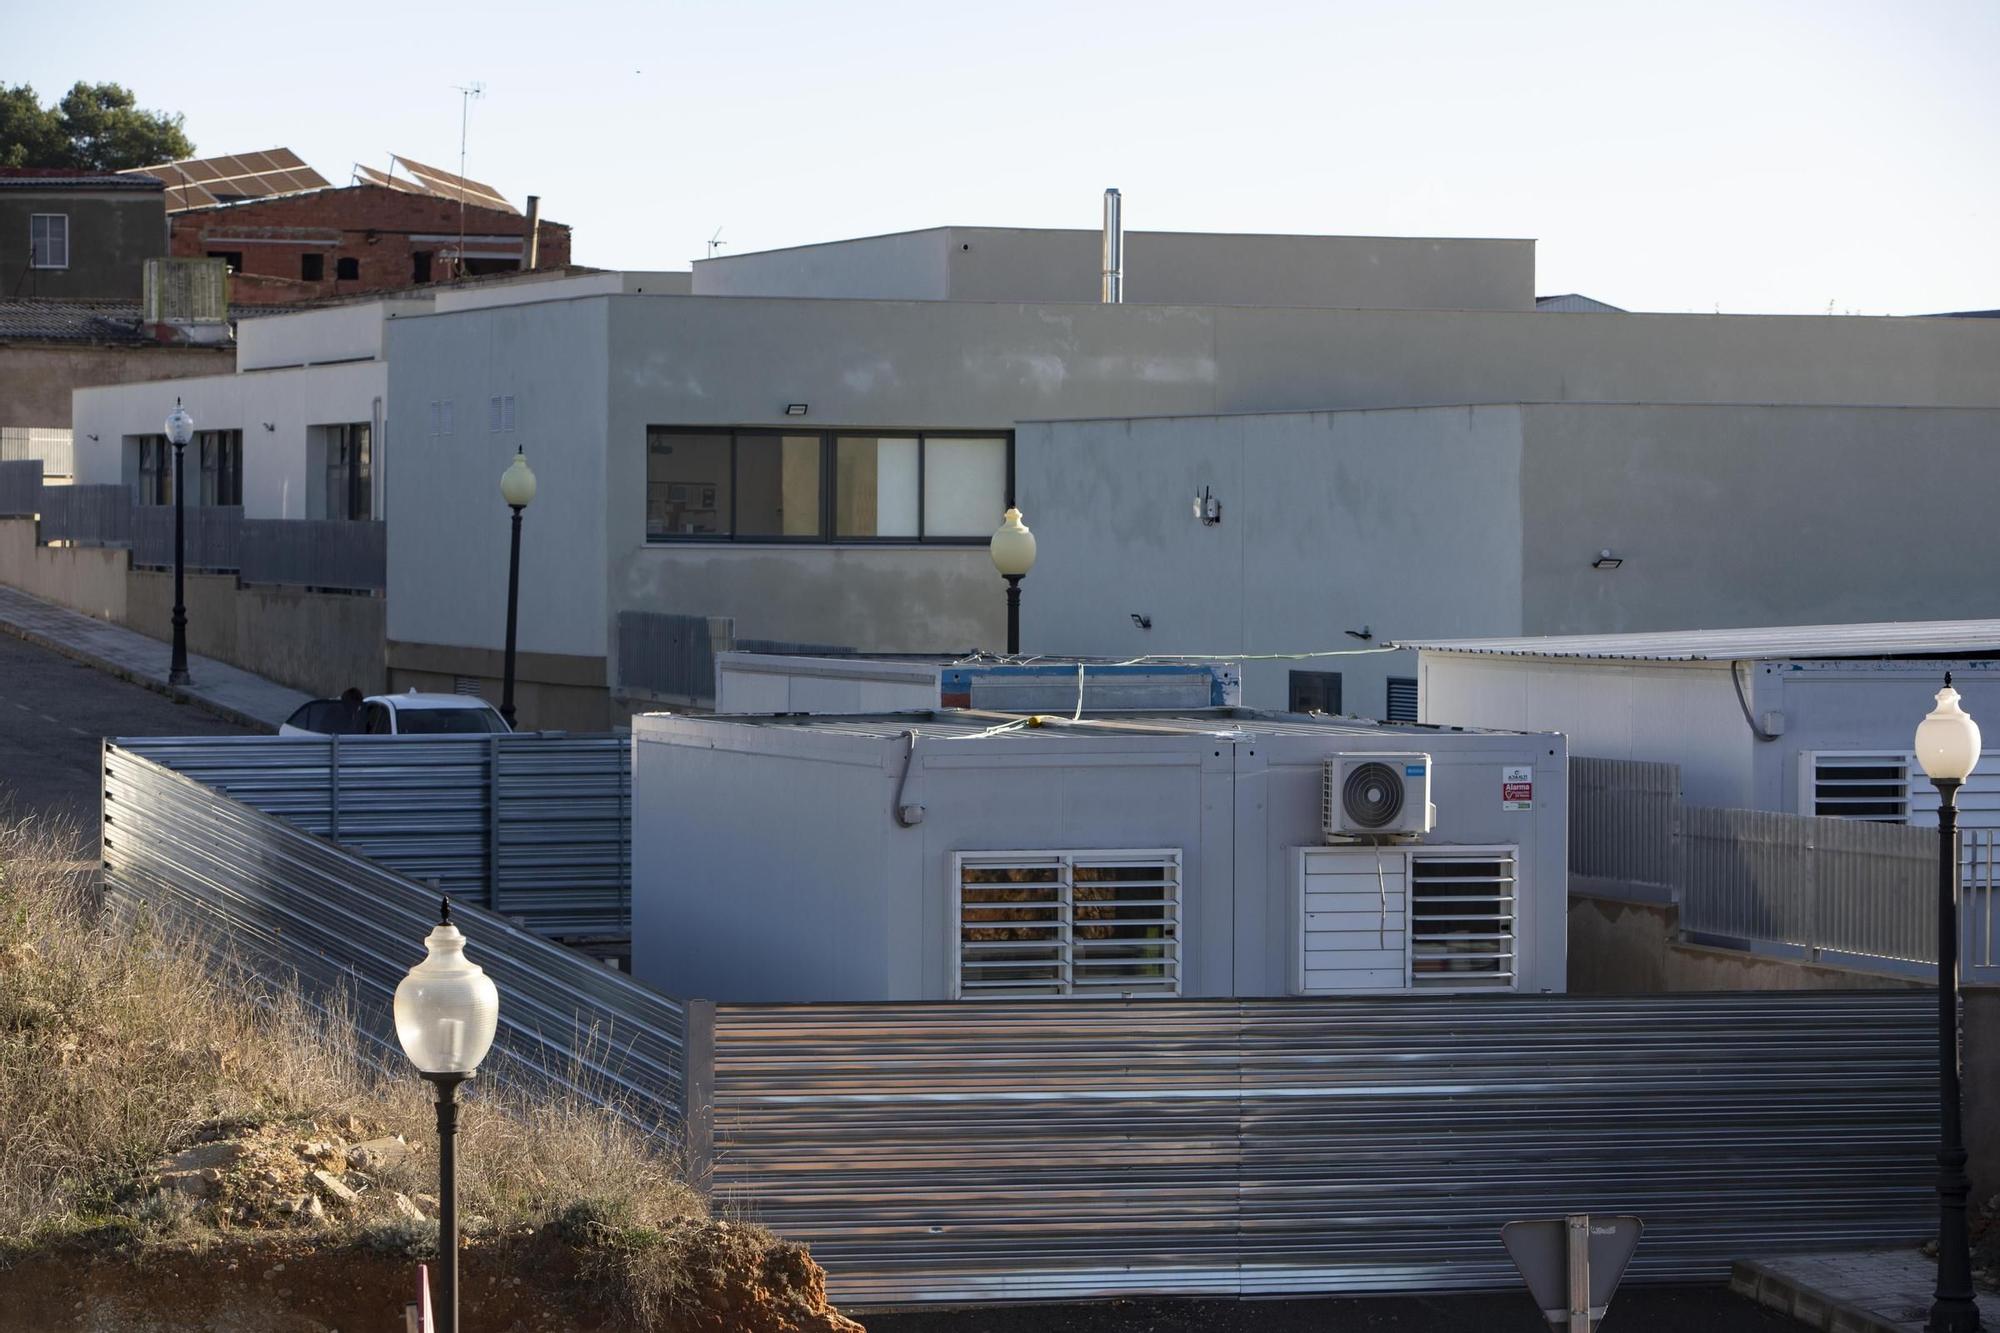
37 319
54 178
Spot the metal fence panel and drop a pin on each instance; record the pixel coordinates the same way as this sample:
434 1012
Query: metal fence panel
287 903
666 657
316 553
1047 1150
552 849
1624 824
86 515
213 534
51 446
20 488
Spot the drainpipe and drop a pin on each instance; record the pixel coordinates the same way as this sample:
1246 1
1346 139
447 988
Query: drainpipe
531 244
1114 249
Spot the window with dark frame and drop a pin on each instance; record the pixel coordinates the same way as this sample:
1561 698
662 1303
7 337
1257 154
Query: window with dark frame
48 240
233 258
349 489
771 484
1315 692
156 471
221 466
420 266
347 268
312 268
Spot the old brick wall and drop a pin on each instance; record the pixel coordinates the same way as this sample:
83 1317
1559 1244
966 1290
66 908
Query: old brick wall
36 378
382 231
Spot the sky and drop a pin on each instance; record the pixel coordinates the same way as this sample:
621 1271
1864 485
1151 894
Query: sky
1777 156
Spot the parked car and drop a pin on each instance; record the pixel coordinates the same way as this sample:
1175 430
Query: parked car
411 714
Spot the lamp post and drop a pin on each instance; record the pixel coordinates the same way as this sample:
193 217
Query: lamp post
517 488
446 1010
1013 551
180 429
1948 749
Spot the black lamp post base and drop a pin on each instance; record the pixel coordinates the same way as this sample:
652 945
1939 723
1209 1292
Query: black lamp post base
177 678
445 1305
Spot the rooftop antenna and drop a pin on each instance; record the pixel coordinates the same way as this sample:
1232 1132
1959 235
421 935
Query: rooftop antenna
715 243
467 94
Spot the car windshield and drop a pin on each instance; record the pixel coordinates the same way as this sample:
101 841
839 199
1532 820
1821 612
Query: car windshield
328 717
448 721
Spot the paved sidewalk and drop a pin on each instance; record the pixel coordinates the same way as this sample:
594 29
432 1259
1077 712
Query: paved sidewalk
222 689
1867 1291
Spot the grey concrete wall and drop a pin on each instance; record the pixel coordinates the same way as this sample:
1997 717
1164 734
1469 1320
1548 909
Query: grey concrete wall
1749 515
90 579
1014 264
1393 520
36 380
318 642
592 374
1625 948
112 233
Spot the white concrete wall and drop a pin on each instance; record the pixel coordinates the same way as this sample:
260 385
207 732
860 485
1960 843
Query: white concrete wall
448 528
275 482
906 266
325 333
1397 521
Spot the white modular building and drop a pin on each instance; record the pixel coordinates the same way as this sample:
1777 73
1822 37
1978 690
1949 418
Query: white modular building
977 855
1802 719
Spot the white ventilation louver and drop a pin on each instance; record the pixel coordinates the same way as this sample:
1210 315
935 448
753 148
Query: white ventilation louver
1377 796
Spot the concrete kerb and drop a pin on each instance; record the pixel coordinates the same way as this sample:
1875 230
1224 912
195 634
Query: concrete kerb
179 694
1815 1309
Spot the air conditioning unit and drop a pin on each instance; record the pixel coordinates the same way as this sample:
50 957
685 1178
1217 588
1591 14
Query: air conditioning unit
1376 796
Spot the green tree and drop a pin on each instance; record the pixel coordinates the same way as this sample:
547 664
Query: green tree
96 126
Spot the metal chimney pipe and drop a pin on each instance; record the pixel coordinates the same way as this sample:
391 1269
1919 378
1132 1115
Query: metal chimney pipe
531 244
1114 249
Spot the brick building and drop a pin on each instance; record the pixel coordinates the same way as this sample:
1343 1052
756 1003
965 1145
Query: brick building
355 240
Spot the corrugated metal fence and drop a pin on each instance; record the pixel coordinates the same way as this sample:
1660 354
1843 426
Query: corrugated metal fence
287 903
20 488
535 827
211 536
1624 824
670 658
977 1152
86 515
316 553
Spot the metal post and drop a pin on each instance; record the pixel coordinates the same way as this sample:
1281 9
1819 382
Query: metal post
513 605
1953 1310
1013 614
177 670
446 1306
1578 1234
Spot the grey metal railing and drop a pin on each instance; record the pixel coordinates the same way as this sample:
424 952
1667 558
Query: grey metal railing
670 658
267 894
213 536
86 515
51 446
1624 822
967 1152
533 826
316 553
20 488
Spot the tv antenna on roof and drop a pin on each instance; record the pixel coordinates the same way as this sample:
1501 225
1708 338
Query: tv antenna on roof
715 243
467 94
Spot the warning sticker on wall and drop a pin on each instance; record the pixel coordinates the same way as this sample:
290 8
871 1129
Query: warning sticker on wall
1517 787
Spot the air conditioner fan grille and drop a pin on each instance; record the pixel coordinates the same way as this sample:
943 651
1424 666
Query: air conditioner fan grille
1372 795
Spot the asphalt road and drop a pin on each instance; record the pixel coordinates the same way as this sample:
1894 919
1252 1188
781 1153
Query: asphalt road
54 712
1633 1310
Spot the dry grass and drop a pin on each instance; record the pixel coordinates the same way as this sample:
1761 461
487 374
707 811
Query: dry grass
118 1048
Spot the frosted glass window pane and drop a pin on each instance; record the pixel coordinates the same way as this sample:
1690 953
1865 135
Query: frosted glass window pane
876 487
965 486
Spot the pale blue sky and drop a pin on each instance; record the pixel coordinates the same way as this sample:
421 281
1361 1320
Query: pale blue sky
1764 155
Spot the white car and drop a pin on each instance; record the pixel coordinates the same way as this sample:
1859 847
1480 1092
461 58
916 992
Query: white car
411 714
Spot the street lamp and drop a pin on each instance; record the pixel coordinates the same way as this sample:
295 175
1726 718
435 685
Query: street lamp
1948 748
517 488
1013 550
446 1010
180 429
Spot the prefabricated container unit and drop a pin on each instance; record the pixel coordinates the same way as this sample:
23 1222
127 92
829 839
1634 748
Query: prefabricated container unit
1817 720
782 683
980 855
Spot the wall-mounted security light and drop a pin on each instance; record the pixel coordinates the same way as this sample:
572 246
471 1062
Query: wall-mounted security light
91 438
269 425
1365 633
1606 560
1207 508
795 409
1143 622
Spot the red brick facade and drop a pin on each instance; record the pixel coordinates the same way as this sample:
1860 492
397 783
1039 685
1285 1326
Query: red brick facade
384 239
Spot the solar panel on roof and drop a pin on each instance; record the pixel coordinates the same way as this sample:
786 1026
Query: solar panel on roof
447 185
201 181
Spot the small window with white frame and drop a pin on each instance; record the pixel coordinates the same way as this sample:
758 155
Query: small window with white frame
1066 923
48 240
